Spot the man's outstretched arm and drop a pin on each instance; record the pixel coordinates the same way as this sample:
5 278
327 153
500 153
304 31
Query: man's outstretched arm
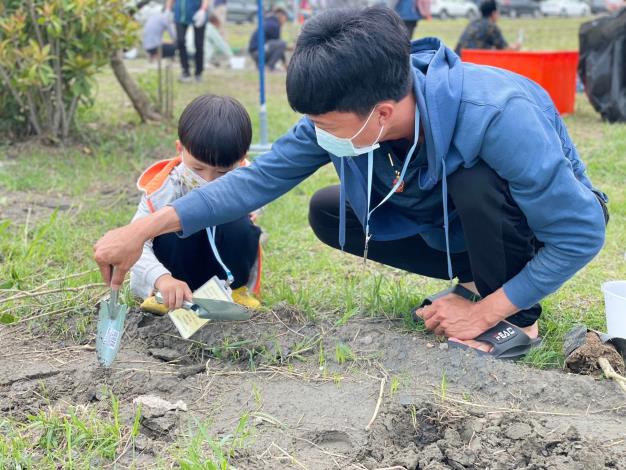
119 249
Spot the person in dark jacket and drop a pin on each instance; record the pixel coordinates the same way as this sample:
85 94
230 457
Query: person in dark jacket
275 47
484 33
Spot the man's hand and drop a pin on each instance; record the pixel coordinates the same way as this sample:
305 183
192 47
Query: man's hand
174 292
119 248
454 316
122 247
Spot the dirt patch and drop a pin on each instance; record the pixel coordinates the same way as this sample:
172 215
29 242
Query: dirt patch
438 437
305 404
18 207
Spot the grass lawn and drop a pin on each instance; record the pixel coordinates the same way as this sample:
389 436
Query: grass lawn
45 251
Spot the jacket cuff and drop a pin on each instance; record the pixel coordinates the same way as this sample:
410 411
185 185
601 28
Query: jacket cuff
192 211
153 274
522 292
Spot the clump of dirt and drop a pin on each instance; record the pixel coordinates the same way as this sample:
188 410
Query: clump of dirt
584 360
435 437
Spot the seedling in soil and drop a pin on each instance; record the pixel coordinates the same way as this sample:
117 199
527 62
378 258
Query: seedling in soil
321 357
414 417
394 386
258 399
343 353
337 378
443 386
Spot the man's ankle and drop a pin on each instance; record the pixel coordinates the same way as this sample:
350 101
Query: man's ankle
471 286
532 330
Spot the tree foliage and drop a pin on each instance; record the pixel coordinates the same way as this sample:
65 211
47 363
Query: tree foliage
50 52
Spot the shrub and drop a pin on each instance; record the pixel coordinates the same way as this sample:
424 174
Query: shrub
50 51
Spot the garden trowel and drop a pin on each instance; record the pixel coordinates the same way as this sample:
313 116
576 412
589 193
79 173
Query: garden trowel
213 309
110 328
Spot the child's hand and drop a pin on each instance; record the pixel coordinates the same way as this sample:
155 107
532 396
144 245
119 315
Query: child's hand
174 292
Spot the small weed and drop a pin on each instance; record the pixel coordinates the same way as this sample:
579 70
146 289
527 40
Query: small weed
443 387
321 357
343 353
258 399
394 385
337 379
414 417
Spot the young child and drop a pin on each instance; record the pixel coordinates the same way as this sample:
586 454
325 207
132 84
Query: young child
214 134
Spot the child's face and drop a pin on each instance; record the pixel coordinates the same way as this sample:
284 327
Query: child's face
203 170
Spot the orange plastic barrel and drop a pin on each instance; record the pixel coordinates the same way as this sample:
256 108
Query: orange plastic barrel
554 71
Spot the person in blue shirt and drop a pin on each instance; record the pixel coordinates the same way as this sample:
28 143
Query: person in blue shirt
190 13
446 169
410 14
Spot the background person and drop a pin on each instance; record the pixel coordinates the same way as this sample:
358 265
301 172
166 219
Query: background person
275 47
220 11
410 14
153 30
484 33
190 13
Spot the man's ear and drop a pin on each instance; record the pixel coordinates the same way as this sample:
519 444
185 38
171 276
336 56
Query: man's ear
386 110
179 148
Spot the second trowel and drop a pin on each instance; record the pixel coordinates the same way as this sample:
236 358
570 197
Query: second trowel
212 309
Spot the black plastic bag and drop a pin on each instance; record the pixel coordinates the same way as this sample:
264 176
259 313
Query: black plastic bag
602 65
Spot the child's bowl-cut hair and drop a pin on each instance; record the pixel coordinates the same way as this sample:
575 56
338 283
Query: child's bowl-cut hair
215 130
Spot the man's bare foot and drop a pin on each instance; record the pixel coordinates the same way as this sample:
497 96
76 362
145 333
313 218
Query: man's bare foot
532 331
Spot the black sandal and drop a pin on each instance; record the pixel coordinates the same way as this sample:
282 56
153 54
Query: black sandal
509 342
456 289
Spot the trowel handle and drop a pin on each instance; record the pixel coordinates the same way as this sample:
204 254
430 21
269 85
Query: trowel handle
115 294
159 298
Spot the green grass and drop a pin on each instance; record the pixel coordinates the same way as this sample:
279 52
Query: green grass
97 177
201 450
75 439
80 438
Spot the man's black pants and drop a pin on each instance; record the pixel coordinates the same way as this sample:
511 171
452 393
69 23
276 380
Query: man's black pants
198 39
192 260
498 239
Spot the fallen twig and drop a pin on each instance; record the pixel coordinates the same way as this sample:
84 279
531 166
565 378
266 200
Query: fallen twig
609 373
378 403
289 456
51 291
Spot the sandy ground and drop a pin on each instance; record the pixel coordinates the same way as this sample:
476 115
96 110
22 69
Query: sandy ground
439 408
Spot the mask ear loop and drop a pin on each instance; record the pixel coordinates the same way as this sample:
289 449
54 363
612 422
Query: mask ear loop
364 124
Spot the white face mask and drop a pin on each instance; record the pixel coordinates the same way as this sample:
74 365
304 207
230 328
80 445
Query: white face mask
342 147
189 179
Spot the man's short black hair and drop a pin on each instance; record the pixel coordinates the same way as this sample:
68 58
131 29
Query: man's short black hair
348 60
215 130
488 7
